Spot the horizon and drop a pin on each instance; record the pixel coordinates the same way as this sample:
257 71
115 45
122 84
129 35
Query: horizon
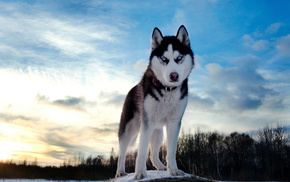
66 67
79 158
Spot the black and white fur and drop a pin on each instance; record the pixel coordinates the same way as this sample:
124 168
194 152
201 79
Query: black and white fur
158 100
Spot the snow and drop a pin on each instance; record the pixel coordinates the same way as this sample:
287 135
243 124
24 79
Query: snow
151 175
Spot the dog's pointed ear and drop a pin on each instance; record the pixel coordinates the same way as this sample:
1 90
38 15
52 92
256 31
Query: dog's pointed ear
182 35
156 38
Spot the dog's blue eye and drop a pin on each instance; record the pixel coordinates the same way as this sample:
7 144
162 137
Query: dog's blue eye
179 58
164 59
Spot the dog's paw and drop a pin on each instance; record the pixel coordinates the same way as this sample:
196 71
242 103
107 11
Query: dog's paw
176 172
140 175
120 174
161 168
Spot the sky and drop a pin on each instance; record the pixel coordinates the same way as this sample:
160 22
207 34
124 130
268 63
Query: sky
66 67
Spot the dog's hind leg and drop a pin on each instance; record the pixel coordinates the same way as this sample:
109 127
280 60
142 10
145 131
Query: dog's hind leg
155 144
125 140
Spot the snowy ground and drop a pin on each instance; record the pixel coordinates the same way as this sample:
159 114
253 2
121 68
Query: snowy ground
151 176
128 178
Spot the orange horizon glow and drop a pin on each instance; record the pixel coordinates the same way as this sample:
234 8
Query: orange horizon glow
17 152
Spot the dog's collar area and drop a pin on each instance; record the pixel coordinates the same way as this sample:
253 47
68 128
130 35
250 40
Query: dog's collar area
158 84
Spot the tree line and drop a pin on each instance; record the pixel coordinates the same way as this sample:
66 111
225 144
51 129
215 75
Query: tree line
76 167
237 156
234 156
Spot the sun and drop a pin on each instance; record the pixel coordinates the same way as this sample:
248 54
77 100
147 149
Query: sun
7 149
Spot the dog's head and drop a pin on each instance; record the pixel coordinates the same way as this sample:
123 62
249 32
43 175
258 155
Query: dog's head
171 58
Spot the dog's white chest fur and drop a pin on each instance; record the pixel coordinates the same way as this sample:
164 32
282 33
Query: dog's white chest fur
167 109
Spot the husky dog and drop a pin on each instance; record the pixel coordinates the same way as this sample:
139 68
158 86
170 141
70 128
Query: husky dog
158 100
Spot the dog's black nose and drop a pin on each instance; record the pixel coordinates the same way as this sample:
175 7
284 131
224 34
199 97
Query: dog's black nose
173 76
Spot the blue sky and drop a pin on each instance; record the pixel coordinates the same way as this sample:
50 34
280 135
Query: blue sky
66 66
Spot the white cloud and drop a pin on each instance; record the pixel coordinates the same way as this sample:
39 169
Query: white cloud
113 98
283 45
197 61
255 41
67 44
141 65
52 142
42 38
238 88
241 97
273 28
257 45
213 68
66 98
42 103
260 45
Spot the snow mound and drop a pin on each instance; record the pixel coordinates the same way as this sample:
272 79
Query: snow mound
151 175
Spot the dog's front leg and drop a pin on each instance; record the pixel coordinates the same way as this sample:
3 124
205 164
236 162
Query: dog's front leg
145 135
172 129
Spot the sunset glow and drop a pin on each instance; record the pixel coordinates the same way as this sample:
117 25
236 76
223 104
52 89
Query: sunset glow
9 150
6 150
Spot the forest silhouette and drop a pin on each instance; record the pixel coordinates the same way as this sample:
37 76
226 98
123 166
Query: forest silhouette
235 156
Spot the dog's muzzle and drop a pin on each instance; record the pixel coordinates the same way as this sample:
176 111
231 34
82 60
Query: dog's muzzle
173 77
